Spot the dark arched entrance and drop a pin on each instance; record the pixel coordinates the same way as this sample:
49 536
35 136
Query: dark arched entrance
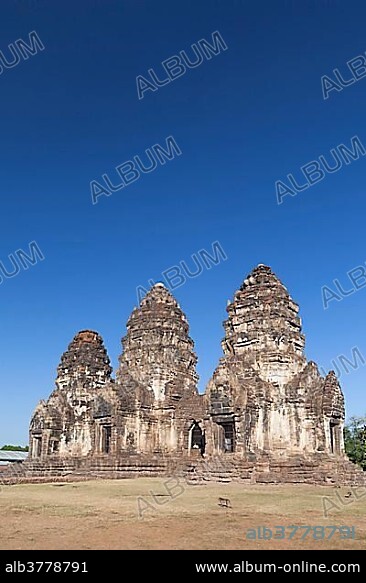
197 438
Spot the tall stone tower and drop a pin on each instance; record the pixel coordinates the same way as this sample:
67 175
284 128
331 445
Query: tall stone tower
157 350
263 328
265 397
157 376
64 423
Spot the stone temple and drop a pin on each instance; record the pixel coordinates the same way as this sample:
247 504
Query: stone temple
267 414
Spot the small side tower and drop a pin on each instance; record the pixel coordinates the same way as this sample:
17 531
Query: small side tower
63 424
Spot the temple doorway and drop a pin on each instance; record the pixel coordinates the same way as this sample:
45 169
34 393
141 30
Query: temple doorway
196 438
225 435
106 438
37 446
335 440
229 441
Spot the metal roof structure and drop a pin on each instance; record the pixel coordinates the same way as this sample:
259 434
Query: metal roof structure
13 456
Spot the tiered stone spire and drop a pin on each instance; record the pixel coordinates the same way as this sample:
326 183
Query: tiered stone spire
333 399
263 327
157 350
85 364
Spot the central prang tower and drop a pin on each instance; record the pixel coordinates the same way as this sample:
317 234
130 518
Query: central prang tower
157 377
157 350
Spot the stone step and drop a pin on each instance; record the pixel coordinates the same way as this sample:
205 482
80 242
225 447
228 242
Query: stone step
321 469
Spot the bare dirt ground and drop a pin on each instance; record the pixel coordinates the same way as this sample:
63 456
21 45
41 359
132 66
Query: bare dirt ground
123 514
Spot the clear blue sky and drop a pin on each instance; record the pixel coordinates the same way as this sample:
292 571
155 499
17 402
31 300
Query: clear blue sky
243 120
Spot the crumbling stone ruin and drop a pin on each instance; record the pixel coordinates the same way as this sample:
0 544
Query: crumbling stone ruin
267 414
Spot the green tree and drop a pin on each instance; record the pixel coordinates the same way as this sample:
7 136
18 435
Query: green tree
14 448
355 440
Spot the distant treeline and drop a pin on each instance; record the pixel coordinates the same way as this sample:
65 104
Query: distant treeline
14 448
